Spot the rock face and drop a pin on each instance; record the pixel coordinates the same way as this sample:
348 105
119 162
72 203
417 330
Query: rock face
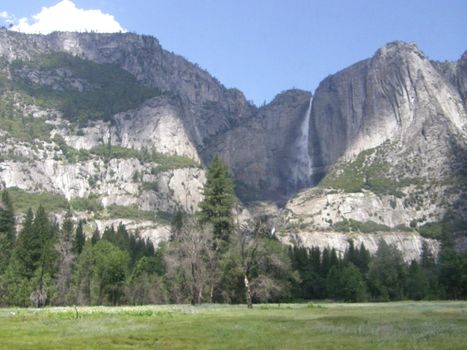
396 95
389 134
409 243
261 153
382 142
208 107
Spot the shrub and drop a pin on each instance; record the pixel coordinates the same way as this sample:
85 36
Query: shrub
359 226
22 200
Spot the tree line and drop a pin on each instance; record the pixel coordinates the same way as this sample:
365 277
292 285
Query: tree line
208 258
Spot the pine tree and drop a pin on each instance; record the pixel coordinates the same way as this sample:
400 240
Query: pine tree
177 223
80 239
27 250
387 273
7 230
417 283
450 268
219 198
325 262
96 236
351 254
363 259
65 260
45 234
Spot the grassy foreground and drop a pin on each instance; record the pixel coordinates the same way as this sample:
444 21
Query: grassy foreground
405 325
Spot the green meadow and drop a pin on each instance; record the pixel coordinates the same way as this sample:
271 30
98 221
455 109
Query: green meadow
404 325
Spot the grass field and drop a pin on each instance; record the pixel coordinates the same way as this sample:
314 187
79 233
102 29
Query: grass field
405 325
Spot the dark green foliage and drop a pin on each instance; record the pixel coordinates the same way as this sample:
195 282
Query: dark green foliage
111 268
363 259
57 266
46 236
387 273
33 261
177 223
346 283
79 240
108 88
219 198
96 236
66 257
418 286
449 225
451 270
7 230
312 271
100 274
359 226
134 245
28 248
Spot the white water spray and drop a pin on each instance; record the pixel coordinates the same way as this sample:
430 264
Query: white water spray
302 163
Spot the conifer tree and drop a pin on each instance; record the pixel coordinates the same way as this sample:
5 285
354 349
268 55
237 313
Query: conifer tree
44 233
387 273
27 250
219 198
79 240
7 230
96 236
65 260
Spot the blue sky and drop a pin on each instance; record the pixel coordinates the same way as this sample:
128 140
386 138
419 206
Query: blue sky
264 47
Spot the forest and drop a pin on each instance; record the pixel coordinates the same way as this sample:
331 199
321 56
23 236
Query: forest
209 259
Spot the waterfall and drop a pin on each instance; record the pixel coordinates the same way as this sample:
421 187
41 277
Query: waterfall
301 161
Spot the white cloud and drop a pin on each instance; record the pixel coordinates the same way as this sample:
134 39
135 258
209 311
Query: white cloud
6 17
66 17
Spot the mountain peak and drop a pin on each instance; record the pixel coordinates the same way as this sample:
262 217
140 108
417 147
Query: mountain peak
397 48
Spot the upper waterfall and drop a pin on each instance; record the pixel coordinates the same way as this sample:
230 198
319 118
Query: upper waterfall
300 159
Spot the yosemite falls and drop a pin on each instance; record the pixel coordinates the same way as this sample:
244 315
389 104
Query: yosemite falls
300 159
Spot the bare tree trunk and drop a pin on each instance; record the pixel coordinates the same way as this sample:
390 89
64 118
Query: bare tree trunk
200 295
194 294
211 292
249 297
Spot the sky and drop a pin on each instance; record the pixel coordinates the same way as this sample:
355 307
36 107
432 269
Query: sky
261 47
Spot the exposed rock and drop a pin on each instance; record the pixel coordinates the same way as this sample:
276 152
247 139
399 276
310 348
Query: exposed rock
393 96
409 243
259 151
156 233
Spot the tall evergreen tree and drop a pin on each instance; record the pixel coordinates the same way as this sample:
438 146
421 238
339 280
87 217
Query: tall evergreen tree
96 236
65 260
79 240
7 230
417 283
28 248
219 198
363 259
45 234
387 273
450 269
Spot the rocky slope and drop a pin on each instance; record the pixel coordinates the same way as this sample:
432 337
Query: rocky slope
389 135
114 120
